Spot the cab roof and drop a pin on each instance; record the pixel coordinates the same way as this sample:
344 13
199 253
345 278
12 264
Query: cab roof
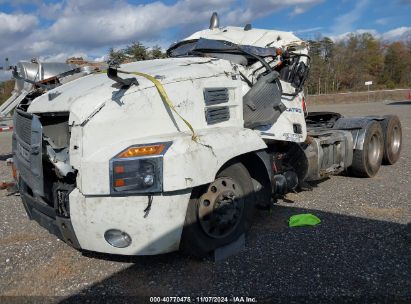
255 37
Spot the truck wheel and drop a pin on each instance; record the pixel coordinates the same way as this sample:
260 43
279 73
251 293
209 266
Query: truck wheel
367 162
391 128
220 213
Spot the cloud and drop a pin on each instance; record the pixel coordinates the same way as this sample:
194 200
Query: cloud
60 57
13 29
50 11
345 25
255 9
18 24
346 22
101 58
53 30
309 30
19 3
39 47
95 25
383 21
92 26
398 34
345 35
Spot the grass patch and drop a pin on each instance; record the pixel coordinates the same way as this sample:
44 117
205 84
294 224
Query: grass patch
6 87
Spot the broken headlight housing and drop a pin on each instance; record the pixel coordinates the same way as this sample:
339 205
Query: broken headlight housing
138 169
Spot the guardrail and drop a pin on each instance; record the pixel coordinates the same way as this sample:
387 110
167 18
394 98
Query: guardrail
360 97
7 128
6 124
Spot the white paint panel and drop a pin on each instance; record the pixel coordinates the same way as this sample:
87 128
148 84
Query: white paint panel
255 37
282 129
83 96
186 163
189 164
159 232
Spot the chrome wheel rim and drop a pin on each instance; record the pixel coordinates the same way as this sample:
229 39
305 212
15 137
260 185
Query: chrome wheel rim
374 150
220 208
396 140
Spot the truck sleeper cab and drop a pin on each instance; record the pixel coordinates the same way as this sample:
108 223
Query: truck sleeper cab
108 164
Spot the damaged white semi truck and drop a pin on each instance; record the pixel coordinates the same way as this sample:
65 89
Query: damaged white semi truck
155 156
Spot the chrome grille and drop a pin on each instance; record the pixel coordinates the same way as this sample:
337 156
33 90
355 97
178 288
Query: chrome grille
22 126
27 150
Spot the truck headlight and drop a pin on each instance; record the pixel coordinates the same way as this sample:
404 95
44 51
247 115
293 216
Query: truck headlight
138 169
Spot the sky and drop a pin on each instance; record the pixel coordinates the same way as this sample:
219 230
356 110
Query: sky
54 30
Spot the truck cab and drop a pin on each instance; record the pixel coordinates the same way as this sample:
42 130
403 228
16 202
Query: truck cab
159 155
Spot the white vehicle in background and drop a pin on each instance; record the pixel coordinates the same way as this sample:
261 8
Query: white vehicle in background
160 155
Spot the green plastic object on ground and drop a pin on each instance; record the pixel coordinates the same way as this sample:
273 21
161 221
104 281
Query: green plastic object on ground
306 219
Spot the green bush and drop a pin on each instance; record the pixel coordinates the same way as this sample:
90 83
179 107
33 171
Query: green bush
6 87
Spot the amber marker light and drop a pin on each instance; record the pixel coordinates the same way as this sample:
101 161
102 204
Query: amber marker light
304 105
119 169
119 183
142 151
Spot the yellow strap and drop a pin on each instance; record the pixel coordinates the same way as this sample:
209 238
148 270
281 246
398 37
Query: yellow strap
164 96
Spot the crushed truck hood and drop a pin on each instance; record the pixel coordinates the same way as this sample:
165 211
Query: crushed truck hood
86 95
254 37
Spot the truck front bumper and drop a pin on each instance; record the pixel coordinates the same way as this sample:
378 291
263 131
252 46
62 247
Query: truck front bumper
91 216
154 228
39 211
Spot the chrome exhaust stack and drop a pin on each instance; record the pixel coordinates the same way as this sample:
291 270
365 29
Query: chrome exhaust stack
214 21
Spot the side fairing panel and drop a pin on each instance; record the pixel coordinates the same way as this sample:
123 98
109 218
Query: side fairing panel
188 164
290 126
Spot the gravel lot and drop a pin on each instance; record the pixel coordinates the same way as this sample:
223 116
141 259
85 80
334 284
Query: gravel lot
361 249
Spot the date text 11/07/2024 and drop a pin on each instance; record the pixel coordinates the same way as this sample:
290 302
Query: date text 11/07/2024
238 299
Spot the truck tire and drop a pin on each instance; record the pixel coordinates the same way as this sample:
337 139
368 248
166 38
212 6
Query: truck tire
219 213
367 162
391 128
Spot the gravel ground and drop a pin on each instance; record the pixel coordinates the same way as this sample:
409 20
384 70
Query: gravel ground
360 251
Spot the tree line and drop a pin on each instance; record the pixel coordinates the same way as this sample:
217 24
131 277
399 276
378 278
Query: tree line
335 66
347 64
135 51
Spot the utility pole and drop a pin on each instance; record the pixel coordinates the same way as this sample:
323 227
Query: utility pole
368 84
319 85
